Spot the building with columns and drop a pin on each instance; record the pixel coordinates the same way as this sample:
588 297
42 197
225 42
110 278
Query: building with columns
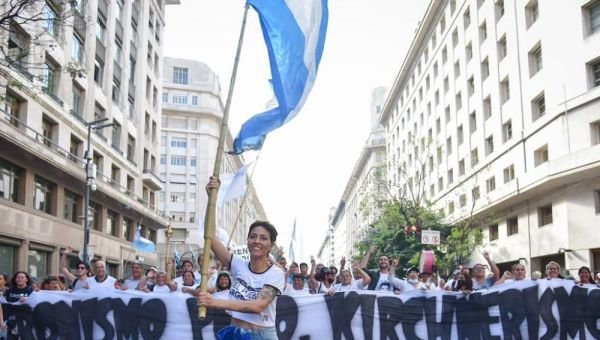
501 102
85 61
192 111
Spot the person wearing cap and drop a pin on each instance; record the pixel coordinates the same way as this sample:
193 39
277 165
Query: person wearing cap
480 281
137 272
101 278
148 281
82 272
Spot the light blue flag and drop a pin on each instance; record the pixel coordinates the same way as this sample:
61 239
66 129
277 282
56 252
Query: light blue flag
233 185
294 32
143 244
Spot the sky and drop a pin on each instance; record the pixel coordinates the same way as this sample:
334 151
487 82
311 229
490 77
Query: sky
304 166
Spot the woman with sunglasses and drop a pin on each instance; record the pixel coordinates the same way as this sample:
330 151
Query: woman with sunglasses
82 272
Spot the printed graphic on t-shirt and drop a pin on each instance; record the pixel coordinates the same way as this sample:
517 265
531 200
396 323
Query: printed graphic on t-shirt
242 291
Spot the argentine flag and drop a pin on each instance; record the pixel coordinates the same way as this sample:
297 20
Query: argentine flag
294 32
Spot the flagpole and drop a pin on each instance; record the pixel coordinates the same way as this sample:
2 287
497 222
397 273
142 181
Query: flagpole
239 214
209 219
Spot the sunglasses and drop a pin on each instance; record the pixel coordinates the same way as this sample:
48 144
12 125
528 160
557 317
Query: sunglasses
81 268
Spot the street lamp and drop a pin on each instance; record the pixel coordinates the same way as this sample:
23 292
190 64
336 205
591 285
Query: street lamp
90 179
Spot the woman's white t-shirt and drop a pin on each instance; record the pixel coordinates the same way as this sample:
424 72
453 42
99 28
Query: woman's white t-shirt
355 285
161 289
246 285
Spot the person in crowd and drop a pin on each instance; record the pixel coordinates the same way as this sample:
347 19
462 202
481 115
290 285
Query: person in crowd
536 275
3 327
186 266
585 275
197 274
223 283
412 279
451 282
82 272
120 284
256 284
464 283
292 270
101 278
52 283
164 284
137 272
334 270
347 283
428 281
3 283
517 273
379 278
297 287
553 270
304 272
35 284
189 284
148 281
20 287
323 281
283 263
480 280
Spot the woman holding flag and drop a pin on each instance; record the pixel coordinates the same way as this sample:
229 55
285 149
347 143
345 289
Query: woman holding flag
255 284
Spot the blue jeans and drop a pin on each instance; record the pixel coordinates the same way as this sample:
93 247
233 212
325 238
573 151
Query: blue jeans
238 333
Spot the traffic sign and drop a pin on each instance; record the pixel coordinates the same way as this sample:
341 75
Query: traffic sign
430 237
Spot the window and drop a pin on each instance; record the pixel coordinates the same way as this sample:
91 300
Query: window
118 53
38 261
474 157
72 204
485 69
127 229
180 75
438 126
437 97
490 184
462 200
450 176
469 52
535 60
502 48
544 215
456 69
163 159
540 155
452 6
483 32
461 167
100 30
493 231
489 145
450 207
506 131
509 173
111 223
475 193
455 38
597 201
459 135
538 107
444 55
49 131
440 183
98 71
116 90
595 70
467 18
43 192
593 12
433 40
10 181
487 108
178 142
116 135
442 25
440 154
178 160
595 132
499 9
435 70
77 100
449 146
532 12
77 49
504 90
130 148
512 226
458 101
49 77
7 258
193 161
472 122
50 21
179 99
446 85
194 100
447 114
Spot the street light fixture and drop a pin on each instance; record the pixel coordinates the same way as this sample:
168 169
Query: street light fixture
90 182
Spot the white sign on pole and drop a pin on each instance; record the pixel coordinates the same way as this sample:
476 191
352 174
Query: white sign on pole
241 251
430 237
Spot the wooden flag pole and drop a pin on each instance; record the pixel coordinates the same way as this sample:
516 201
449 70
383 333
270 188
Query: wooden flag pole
209 219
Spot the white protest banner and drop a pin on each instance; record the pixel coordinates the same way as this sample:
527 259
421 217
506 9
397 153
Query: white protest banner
241 251
543 309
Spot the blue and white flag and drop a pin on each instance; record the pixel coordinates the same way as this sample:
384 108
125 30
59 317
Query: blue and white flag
142 244
233 185
294 32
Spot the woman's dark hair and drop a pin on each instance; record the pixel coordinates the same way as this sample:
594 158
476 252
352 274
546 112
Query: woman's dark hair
268 226
13 280
6 279
191 273
219 287
584 268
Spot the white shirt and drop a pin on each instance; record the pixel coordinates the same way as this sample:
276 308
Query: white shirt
161 289
246 285
109 282
130 283
384 284
291 290
354 285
